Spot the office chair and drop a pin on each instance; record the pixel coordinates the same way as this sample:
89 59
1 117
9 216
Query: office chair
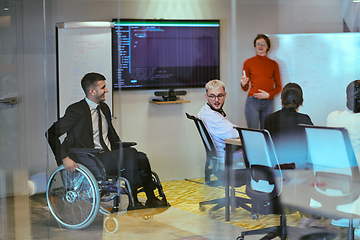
335 171
265 184
211 166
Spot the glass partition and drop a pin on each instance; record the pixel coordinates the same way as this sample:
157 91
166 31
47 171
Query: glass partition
29 105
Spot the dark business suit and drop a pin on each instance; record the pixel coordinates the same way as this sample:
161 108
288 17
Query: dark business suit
289 139
77 123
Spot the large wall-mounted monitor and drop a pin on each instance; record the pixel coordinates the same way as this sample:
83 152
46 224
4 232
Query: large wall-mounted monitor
165 54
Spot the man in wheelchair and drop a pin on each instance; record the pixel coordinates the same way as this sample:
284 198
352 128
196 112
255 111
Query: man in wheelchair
88 125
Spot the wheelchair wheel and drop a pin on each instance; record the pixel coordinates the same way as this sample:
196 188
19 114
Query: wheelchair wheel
111 224
73 198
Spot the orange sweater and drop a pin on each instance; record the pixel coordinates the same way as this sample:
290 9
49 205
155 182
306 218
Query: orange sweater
264 74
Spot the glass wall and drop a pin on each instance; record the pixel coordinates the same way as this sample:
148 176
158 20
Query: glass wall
12 171
29 106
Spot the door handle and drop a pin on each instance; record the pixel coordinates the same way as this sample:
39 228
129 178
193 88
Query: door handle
9 101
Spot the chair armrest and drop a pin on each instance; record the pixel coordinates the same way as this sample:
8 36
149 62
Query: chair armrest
84 150
88 158
127 144
285 166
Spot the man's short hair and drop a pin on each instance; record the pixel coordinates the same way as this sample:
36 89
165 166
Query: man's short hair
215 84
89 80
353 96
291 96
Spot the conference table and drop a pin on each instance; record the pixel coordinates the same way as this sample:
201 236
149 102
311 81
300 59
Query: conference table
300 185
231 145
297 187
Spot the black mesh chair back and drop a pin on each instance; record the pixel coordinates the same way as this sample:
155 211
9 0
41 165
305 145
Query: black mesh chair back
212 162
211 166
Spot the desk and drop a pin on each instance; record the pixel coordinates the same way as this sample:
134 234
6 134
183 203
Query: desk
297 187
331 187
300 185
231 145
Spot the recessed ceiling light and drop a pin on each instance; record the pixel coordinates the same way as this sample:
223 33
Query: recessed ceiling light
6 9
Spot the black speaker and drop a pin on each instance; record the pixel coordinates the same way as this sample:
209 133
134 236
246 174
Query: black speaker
161 93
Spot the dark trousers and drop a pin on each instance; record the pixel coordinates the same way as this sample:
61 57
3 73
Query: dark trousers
256 110
132 165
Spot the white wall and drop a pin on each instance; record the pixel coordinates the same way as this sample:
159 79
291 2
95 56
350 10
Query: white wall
163 132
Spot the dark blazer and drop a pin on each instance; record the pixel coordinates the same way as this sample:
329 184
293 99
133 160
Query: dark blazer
289 139
77 124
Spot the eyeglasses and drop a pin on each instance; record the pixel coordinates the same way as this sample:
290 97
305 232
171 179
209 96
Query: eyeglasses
213 97
262 44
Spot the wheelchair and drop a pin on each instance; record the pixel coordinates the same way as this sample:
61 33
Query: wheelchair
75 198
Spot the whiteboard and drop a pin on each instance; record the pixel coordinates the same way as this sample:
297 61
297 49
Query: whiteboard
322 64
80 51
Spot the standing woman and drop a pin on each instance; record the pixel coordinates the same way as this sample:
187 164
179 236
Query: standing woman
263 76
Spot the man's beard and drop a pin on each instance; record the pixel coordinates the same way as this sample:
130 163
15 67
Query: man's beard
220 110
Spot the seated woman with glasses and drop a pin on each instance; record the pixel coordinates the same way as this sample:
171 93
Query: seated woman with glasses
262 76
219 128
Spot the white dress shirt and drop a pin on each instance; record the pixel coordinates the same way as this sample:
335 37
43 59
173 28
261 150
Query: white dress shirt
220 129
95 125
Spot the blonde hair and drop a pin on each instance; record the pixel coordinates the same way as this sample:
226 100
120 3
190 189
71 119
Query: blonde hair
214 84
